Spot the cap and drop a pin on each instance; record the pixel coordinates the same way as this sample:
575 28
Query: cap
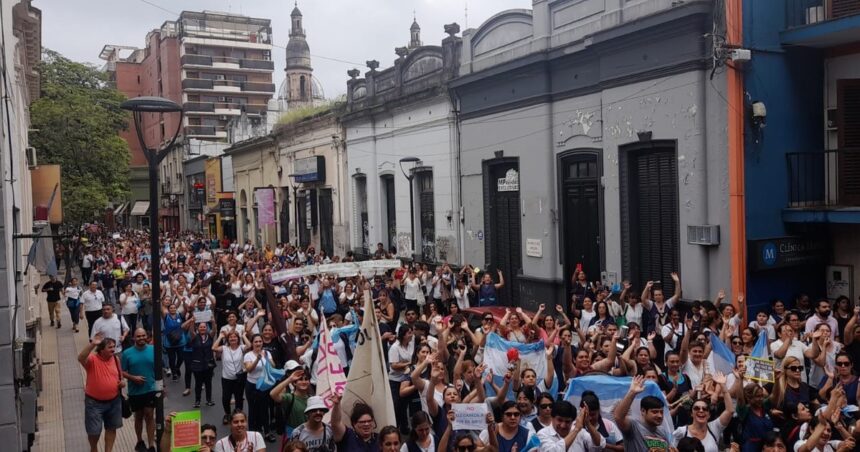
291 365
315 403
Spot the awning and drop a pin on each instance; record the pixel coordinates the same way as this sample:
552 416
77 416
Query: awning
119 209
140 208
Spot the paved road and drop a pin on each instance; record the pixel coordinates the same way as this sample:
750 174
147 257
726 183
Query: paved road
174 401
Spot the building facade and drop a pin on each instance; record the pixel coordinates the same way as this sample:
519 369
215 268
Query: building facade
594 133
20 310
803 156
404 112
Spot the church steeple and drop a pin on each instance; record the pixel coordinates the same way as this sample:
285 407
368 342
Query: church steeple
296 17
300 89
415 33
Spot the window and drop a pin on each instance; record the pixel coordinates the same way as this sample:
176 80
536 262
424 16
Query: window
362 232
302 88
427 217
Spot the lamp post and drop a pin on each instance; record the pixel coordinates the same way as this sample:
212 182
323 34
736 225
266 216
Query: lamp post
138 106
412 162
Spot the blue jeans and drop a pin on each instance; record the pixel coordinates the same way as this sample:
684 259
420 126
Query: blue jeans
74 310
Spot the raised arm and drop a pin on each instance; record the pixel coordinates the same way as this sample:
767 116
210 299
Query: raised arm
623 407
85 352
646 295
337 427
677 295
501 282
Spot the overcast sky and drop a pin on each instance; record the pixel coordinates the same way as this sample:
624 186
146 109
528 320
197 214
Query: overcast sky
353 31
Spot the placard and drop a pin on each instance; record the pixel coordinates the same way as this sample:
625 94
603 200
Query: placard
759 369
204 316
534 248
185 434
470 416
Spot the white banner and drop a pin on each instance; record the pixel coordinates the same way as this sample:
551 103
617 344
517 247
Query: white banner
330 375
368 377
469 416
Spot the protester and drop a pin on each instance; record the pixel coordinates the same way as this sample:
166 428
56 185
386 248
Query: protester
240 439
138 368
112 326
72 293
102 403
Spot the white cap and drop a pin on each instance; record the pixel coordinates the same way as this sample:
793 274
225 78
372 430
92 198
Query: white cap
291 365
315 403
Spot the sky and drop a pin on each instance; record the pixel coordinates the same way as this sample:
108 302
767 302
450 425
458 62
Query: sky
351 31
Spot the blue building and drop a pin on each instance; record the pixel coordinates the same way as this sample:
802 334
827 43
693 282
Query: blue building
802 148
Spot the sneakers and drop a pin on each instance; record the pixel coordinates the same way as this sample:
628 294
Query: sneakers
140 446
166 372
188 391
210 403
270 437
226 419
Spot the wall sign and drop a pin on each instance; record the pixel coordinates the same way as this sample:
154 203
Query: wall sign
310 169
840 281
511 181
534 248
785 252
227 207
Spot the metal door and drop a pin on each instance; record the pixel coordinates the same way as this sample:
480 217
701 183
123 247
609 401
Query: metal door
326 212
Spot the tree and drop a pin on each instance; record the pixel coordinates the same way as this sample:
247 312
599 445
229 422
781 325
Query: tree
78 120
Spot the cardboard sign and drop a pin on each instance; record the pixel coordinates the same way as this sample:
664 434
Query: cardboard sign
203 316
185 434
470 416
760 369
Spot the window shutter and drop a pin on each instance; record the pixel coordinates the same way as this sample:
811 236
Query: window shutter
844 8
848 104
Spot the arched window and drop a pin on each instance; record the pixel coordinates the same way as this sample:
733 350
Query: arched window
302 88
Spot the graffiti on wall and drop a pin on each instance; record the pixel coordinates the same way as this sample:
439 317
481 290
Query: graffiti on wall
404 245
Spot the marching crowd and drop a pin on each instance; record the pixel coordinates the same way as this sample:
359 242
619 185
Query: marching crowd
222 316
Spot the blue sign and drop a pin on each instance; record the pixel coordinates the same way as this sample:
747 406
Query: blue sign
310 169
783 252
768 254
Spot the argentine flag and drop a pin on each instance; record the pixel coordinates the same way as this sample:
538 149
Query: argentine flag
721 359
532 356
610 391
760 349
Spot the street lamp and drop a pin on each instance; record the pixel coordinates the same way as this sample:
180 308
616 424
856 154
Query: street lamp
138 106
412 162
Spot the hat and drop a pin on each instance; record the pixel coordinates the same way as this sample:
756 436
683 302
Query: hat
315 403
291 365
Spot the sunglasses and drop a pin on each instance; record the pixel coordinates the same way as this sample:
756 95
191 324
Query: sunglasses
843 363
488 319
736 343
470 448
318 410
512 414
700 408
545 406
795 368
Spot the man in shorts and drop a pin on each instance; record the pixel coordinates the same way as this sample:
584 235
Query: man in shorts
138 368
102 405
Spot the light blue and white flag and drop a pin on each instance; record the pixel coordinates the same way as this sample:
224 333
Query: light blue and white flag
532 356
721 359
610 391
760 349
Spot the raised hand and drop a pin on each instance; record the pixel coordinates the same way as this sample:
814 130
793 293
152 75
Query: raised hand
675 277
97 339
719 378
638 384
541 307
740 298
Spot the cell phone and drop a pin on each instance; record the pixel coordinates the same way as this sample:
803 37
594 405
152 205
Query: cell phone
624 329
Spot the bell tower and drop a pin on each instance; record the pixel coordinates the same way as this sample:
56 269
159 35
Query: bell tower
299 72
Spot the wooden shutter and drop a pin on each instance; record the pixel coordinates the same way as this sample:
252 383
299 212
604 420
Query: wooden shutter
848 107
844 8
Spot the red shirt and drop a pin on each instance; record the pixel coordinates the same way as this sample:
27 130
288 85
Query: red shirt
102 378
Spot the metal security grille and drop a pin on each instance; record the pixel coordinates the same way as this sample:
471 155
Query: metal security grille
848 103
390 210
326 211
427 215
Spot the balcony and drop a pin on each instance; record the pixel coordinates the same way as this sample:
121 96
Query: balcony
197 83
823 187
256 109
259 87
821 23
199 107
206 132
257 64
230 86
196 60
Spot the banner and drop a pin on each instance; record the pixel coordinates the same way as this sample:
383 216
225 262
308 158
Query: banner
372 267
368 377
265 206
610 391
498 354
331 377
185 434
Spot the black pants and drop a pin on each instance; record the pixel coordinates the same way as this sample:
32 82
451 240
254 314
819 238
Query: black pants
201 378
86 273
92 316
232 389
258 409
399 407
186 358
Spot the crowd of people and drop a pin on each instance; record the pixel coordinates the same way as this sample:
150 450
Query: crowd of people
223 317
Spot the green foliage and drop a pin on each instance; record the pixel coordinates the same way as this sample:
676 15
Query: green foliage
300 114
78 119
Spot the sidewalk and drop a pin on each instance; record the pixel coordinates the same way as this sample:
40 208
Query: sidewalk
61 403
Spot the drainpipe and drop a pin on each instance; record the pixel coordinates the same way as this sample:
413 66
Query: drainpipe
735 96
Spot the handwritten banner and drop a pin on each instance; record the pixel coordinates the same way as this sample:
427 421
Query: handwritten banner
344 269
331 377
185 435
469 416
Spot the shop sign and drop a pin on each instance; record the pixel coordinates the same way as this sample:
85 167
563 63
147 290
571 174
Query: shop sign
511 181
785 252
310 169
227 207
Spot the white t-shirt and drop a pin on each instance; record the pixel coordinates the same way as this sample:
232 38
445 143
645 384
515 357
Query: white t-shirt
796 349
715 430
831 446
256 372
231 362
73 292
240 329
128 303
255 439
93 301
111 328
585 319
696 374
411 288
397 354
462 297
431 448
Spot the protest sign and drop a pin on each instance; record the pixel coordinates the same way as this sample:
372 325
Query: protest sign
370 268
470 416
185 434
204 316
759 369
331 377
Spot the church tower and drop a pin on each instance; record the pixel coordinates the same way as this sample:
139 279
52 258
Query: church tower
299 73
415 33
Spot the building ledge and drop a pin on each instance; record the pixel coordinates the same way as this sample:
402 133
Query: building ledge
834 215
822 35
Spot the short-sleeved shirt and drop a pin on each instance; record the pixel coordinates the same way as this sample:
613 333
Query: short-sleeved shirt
255 439
93 301
353 443
294 409
322 441
641 438
710 442
102 378
112 328
256 372
53 290
140 362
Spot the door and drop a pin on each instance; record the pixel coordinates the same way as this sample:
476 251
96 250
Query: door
326 221
580 177
390 210
653 215
848 120
303 218
427 215
503 227
284 216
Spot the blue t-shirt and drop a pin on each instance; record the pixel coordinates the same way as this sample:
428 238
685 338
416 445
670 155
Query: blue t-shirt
140 363
353 443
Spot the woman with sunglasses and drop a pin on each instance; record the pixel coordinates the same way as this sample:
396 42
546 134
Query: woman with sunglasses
844 376
736 345
509 433
544 412
240 439
789 389
709 433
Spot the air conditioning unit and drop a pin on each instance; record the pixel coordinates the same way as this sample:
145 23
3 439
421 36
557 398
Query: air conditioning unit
32 162
706 235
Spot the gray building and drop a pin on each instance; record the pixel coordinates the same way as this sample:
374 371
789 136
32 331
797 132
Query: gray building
584 140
